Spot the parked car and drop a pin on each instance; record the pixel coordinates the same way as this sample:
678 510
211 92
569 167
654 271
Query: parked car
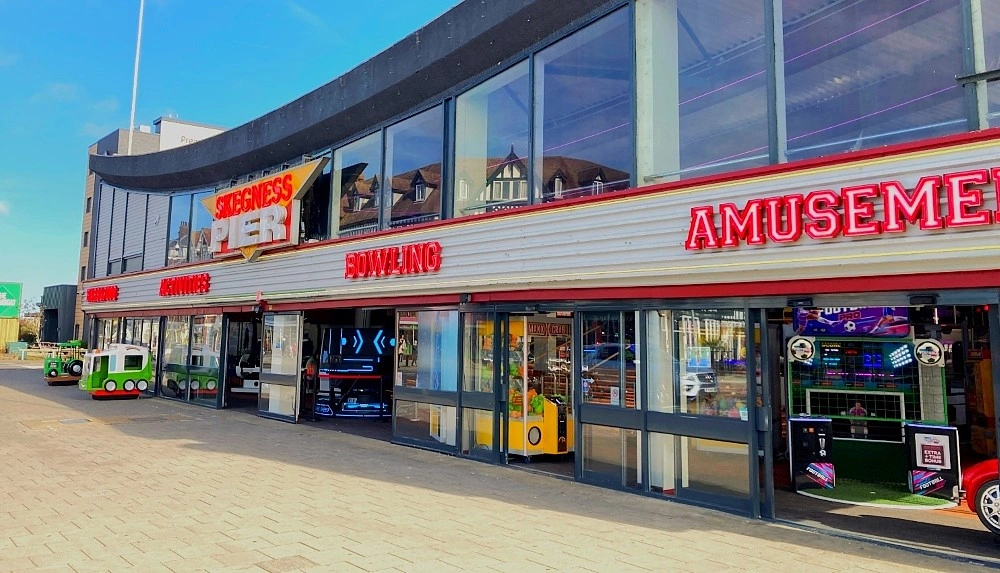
697 381
981 482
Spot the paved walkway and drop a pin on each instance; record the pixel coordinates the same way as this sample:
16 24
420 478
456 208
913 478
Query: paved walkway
149 485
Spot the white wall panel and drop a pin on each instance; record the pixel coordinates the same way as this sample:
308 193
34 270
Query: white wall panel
118 225
105 203
628 241
157 215
135 224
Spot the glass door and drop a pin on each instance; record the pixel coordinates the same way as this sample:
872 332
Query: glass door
482 390
280 366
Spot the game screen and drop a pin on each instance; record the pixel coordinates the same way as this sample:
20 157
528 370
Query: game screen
860 380
355 350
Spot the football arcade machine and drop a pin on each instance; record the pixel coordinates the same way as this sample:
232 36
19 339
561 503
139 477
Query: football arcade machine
857 378
120 371
64 364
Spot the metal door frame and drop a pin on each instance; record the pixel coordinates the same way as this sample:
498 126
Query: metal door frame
294 418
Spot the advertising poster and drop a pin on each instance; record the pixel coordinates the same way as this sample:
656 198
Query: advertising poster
10 300
811 447
934 460
888 321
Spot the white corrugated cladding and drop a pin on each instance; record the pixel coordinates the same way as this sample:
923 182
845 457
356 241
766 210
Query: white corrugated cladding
118 225
157 216
135 224
105 203
629 241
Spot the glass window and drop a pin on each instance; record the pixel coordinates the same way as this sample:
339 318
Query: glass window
315 220
206 347
180 229
477 433
174 382
356 185
697 362
609 375
991 39
280 363
428 423
698 468
491 142
86 238
133 362
611 455
413 150
201 225
83 274
865 74
722 89
477 352
430 341
90 203
583 110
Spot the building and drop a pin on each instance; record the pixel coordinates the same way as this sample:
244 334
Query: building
57 309
641 239
166 133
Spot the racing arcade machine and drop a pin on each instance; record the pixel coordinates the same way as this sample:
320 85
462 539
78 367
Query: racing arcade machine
353 367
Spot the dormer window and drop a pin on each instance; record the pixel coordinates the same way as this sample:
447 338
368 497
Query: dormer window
597 187
557 187
420 192
463 190
357 201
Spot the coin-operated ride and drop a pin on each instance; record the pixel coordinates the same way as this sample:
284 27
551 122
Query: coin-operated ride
64 363
120 371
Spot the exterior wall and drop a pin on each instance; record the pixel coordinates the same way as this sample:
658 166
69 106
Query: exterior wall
157 217
9 329
87 226
118 217
58 303
635 240
174 133
103 229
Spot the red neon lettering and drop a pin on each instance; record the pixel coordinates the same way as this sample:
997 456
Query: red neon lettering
961 198
702 234
792 229
820 207
857 210
921 207
741 225
350 266
433 256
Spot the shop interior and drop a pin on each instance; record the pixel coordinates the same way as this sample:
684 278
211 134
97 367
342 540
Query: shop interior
878 410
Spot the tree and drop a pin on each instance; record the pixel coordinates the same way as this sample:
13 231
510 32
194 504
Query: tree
30 322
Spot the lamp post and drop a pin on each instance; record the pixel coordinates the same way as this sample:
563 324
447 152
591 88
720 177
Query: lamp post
135 78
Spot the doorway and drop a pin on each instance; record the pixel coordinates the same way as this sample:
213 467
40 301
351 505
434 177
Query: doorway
880 414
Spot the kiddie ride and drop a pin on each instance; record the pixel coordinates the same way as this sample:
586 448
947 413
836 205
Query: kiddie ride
64 363
120 371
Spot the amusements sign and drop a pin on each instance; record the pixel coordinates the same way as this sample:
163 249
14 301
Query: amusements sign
935 469
10 300
882 321
260 214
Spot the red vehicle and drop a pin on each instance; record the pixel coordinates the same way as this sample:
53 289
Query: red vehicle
981 482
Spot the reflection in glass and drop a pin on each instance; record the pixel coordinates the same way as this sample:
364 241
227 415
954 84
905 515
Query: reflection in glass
356 185
991 41
681 467
154 348
179 238
431 424
491 144
710 352
865 74
583 112
428 350
477 352
477 433
201 228
206 346
608 372
315 209
280 364
176 334
611 455
722 91
413 151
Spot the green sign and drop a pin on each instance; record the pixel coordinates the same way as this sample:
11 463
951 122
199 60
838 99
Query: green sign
10 300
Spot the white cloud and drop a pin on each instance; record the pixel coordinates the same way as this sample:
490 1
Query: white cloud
4 208
57 91
8 59
95 131
106 105
305 15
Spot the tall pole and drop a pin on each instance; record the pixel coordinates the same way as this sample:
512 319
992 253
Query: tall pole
135 78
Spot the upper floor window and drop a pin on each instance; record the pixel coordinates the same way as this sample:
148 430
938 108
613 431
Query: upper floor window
583 109
356 185
413 153
86 238
179 232
315 208
420 192
90 203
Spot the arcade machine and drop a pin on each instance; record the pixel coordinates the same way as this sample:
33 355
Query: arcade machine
352 363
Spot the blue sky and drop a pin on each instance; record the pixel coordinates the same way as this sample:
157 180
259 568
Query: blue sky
66 81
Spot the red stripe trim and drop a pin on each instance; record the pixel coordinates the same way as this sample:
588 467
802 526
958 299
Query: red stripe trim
938 143
172 311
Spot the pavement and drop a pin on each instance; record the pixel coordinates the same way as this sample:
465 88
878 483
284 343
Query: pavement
156 486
